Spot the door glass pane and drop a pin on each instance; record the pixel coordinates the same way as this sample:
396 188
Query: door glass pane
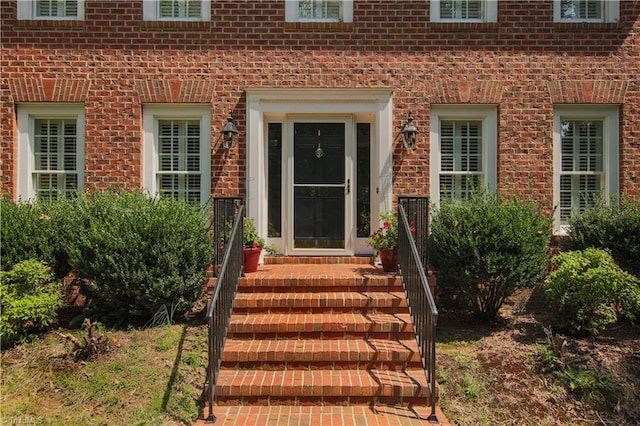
363 194
319 178
275 180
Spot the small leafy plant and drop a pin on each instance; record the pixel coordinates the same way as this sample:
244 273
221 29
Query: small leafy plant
589 291
386 236
252 239
30 299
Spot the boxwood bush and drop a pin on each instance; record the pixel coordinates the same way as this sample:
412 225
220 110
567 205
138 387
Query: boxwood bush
612 227
137 255
26 233
484 249
589 291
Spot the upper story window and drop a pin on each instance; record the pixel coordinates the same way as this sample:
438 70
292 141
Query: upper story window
464 11
586 166
176 10
51 9
177 159
319 11
586 10
50 163
464 158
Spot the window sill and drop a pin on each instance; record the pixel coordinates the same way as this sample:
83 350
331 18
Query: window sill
585 26
328 27
72 24
454 27
175 25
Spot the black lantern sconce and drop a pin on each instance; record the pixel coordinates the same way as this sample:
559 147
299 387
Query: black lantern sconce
229 133
409 133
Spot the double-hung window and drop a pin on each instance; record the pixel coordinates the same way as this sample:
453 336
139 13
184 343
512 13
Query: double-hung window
50 151
319 10
177 159
176 10
464 11
585 159
586 10
51 9
463 154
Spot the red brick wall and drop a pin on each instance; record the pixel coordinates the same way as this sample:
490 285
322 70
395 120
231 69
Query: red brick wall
113 62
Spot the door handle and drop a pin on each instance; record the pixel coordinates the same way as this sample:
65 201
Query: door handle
348 186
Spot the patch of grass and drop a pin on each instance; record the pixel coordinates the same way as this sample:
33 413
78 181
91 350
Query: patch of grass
155 377
472 387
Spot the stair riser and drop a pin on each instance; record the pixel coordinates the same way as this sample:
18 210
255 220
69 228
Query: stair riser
321 400
324 310
321 365
322 335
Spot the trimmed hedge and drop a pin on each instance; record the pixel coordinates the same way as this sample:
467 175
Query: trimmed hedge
615 228
141 255
484 249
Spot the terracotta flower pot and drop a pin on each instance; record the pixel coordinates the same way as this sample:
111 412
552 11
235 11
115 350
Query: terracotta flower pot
251 258
389 259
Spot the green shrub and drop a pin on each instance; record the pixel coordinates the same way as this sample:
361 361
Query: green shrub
590 291
30 299
25 232
484 249
141 255
616 228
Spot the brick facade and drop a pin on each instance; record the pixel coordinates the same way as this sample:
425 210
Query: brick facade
113 62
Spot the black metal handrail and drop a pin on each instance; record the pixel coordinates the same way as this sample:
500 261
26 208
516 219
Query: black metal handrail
417 210
421 304
224 213
221 305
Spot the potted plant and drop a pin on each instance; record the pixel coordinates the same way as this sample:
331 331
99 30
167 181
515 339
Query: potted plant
253 245
385 241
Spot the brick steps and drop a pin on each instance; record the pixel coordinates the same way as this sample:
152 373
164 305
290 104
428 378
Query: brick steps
314 323
312 333
287 385
321 354
303 302
356 415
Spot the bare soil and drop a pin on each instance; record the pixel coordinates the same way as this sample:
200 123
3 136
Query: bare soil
518 371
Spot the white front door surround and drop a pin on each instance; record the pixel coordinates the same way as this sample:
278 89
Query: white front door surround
268 105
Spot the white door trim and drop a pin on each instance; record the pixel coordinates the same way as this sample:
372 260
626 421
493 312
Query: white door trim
264 104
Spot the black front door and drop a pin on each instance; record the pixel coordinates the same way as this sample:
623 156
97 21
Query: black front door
320 186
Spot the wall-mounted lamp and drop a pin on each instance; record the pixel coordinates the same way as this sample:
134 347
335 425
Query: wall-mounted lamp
409 133
229 133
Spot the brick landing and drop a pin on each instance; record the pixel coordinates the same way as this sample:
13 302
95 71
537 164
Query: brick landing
321 341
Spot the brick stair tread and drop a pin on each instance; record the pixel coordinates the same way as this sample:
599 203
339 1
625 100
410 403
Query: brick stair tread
324 322
322 383
326 275
360 415
318 350
317 260
373 299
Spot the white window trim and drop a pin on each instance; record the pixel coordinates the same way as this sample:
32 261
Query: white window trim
611 13
26 10
485 113
25 161
151 12
291 12
152 113
610 150
489 12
